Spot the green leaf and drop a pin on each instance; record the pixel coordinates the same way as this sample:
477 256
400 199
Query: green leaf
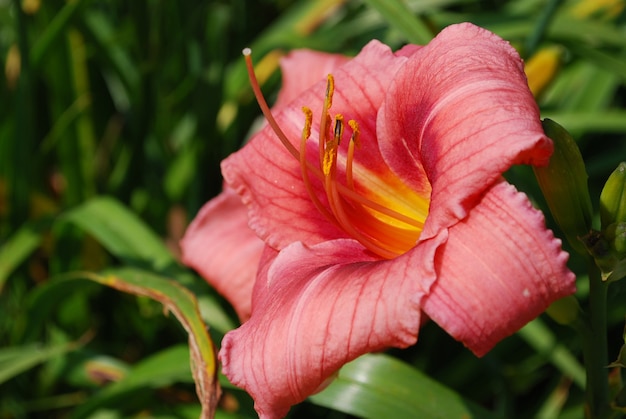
182 303
18 359
379 386
120 231
607 61
161 369
53 31
541 338
563 27
582 87
43 299
102 31
19 247
176 299
402 18
552 406
607 121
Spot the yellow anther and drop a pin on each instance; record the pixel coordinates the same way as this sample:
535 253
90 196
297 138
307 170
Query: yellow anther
330 158
308 121
356 133
338 128
330 90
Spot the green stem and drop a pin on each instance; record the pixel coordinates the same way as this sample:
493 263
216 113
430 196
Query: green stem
595 348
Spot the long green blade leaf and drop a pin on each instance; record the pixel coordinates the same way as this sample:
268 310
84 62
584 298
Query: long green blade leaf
379 386
120 231
401 17
163 368
19 247
18 359
539 336
184 306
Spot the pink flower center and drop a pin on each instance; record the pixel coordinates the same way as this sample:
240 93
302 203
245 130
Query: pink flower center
385 217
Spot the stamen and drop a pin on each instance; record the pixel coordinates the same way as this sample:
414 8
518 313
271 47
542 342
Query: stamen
354 141
356 133
330 159
325 116
330 90
308 121
382 230
330 151
338 128
304 169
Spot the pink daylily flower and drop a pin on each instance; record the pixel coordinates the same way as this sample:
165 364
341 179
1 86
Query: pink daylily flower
360 241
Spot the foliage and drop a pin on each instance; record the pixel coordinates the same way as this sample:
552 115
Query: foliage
115 116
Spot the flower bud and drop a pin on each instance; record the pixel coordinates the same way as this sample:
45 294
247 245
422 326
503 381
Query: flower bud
564 185
613 198
542 67
619 242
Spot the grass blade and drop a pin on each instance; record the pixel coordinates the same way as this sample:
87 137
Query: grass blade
120 231
401 17
18 359
19 247
539 336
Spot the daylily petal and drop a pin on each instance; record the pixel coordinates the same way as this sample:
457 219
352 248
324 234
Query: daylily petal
224 250
319 308
302 69
469 119
499 269
269 179
408 50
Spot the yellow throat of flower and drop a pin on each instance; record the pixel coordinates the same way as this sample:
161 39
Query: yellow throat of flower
385 217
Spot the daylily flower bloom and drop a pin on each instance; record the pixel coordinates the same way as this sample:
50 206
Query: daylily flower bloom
391 206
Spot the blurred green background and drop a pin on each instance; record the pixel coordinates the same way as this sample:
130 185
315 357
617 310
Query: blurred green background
114 116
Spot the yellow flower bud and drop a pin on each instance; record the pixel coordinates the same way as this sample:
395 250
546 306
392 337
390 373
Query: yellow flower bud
542 67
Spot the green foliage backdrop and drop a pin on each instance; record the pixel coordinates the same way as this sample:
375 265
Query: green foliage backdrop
114 116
